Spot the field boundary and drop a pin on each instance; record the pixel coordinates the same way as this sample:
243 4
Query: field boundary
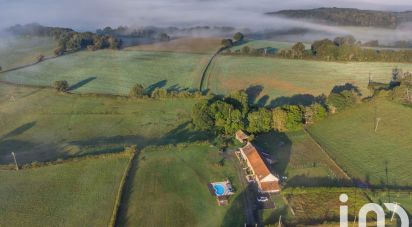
35 164
345 174
120 192
206 69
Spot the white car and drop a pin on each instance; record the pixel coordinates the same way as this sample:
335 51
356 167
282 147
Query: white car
262 199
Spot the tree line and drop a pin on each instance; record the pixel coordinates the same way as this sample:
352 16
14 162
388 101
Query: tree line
67 39
345 48
227 114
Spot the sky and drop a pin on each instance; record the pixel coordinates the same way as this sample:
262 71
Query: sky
92 14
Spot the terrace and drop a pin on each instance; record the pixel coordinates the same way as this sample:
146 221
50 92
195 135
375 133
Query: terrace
222 191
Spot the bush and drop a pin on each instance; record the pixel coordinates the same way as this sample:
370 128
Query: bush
40 58
137 91
61 85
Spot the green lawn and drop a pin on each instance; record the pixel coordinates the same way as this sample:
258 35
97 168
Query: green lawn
170 189
284 77
114 71
351 140
41 124
404 198
16 52
299 158
80 193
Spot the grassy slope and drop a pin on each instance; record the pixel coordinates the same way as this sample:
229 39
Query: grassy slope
16 52
299 158
350 138
115 72
284 77
42 124
80 193
170 189
185 45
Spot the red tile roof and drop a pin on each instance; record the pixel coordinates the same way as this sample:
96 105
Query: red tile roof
256 162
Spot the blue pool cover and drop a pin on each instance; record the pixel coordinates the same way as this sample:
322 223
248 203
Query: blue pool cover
219 189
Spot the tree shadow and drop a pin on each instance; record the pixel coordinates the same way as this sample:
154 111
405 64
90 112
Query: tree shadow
152 87
20 130
299 99
235 216
278 146
262 101
253 93
81 83
346 87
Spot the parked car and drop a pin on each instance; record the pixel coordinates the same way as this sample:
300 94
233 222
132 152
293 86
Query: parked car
262 199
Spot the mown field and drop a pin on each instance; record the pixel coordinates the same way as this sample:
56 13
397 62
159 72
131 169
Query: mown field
284 77
170 189
115 72
41 124
183 45
79 193
382 157
16 52
299 158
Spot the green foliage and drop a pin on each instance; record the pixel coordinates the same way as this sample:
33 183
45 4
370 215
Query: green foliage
240 100
159 93
342 97
279 120
234 122
227 43
260 121
238 36
294 117
61 85
221 111
137 91
202 116
315 112
298 50
245 50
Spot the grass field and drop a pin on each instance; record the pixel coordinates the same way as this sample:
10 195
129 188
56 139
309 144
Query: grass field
404 198
284 77
379 157
299 158
319 204
41 124
184 45
16 52
170 189
80 193
115 72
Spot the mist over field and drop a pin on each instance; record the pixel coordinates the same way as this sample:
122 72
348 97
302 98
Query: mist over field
241 14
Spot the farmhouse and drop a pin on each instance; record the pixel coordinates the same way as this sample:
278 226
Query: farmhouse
241 136
266 181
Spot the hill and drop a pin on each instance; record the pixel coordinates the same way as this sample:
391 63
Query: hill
349 17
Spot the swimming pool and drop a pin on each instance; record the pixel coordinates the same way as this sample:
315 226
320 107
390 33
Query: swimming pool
219 189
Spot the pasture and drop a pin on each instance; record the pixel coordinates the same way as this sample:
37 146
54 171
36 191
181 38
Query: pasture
21 51
41 124
75 193
273 78
380 157
170 188
299 158
183 45
114 71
